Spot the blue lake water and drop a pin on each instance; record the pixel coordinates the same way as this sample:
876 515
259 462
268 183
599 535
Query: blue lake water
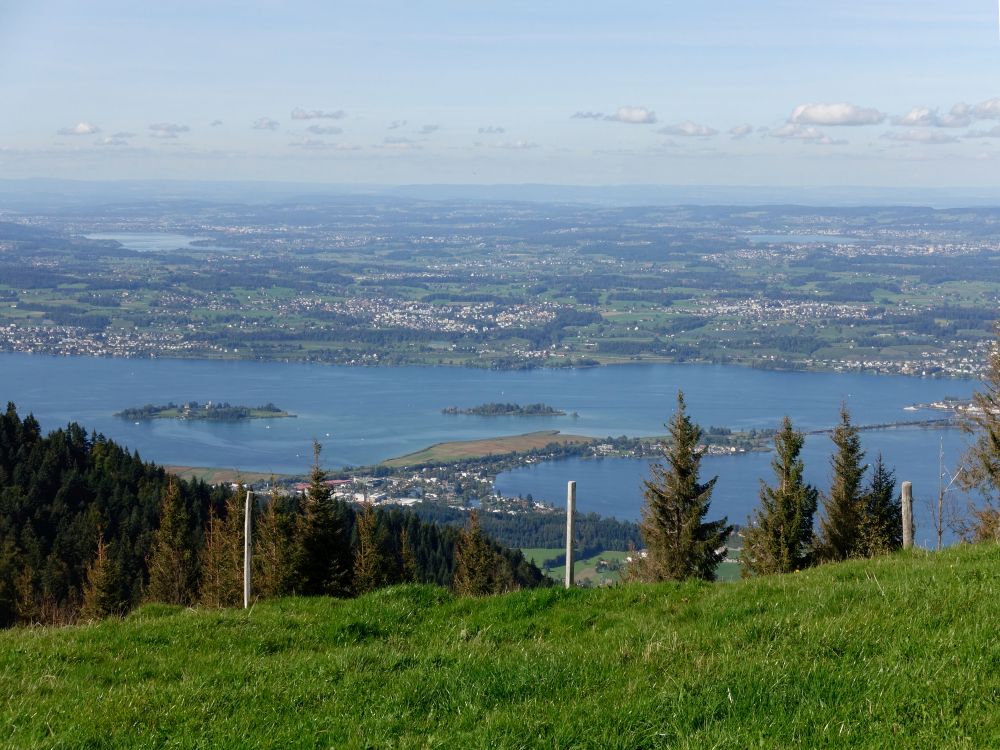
147 242
364 415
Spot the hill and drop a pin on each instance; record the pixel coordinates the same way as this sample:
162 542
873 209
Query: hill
899 651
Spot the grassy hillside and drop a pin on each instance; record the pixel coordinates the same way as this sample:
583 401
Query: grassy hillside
896 652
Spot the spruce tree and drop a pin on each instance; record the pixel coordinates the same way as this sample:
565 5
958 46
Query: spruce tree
476 565
779 536
842 524
411 570
318 554
680 544
171 561
222 555
882 526
273 549
101 589
371 561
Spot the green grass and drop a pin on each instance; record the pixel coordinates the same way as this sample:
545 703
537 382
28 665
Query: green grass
894 652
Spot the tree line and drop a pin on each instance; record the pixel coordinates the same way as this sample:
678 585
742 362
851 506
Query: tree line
795 525
89 529
858 519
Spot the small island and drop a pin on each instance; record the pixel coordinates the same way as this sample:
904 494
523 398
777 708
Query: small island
507 410
211 411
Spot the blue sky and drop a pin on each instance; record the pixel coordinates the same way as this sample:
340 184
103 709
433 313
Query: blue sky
755 92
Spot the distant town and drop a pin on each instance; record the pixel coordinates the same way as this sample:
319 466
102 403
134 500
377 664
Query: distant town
900 290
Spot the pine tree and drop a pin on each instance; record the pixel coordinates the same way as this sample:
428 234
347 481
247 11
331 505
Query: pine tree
273 549
981 462
371 561
882 526
222 556
171 561
102 590
476 565
842 525
411 571
318 557
680 544
779 537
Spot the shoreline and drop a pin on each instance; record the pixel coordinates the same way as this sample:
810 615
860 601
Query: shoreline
784 366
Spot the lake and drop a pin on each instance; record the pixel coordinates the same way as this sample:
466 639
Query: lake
154 242
365 415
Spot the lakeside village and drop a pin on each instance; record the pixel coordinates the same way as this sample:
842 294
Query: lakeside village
468 484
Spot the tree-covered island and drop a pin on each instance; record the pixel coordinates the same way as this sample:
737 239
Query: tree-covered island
222 411
507 410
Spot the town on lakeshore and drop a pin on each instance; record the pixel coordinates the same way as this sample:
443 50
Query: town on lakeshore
507 286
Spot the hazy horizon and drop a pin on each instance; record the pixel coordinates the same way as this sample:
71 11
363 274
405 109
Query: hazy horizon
773 94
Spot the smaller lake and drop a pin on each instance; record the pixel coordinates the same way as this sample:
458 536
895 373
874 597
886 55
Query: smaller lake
149 242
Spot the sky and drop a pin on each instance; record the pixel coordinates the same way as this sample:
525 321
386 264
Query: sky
720 92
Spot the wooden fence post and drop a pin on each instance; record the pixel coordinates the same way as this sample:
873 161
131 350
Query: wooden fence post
907 515
246 549
570 509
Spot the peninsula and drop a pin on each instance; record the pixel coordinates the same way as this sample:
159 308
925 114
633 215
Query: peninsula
210 411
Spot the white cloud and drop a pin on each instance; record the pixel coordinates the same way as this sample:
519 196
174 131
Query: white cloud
807 134
167 130
400 144
265 123
324 130
318 144
633 116
81 128
740 131
988 110
396 124
925 117
428 129
492 130
929 137
587 116
835 114
518 145
118 139
317 114
689 129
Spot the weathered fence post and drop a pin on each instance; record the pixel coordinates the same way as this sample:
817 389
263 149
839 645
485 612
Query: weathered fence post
570 509
907 515
246 549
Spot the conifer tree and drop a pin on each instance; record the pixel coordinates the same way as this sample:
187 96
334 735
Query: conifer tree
476 565
101 589
318 558
882 527
842 524
171 561
981 462
222 555
273 549
411 571
779 537
371 561
680 544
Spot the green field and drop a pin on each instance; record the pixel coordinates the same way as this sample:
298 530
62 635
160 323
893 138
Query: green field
892 652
